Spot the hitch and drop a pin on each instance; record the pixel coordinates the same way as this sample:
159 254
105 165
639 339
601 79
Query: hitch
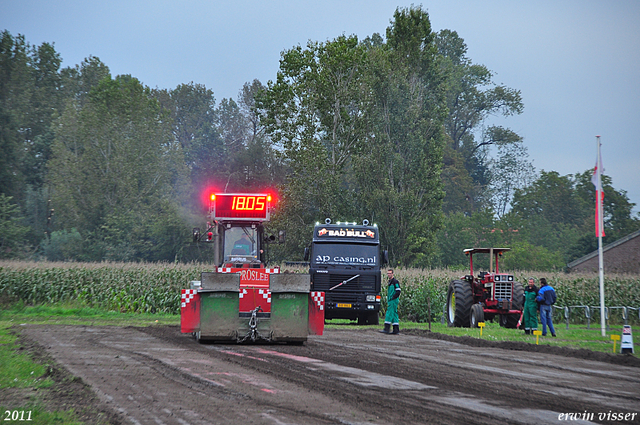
253 332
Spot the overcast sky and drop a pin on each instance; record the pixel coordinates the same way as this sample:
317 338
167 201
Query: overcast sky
577 63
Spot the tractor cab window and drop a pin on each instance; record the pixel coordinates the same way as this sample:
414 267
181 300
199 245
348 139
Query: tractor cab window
240 241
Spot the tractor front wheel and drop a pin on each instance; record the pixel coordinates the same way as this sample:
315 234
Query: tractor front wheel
477 315
459 301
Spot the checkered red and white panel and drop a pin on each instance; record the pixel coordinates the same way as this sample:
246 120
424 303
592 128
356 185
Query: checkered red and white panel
228 270
187 296
318 298
266 294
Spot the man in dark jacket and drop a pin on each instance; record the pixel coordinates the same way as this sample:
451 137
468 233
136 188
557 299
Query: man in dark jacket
546 298
393 293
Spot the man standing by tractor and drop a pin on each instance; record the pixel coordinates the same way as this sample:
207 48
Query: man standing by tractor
546 297
530 313
393 294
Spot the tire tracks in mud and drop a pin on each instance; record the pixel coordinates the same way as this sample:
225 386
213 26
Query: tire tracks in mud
146 380
343 377
466 369
486 390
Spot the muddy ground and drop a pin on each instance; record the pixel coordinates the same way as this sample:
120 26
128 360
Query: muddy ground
157 375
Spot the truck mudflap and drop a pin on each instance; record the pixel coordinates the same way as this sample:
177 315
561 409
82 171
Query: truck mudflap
316 313
189 310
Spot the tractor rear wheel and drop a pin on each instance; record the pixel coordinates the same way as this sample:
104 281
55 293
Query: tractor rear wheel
511 320
477 315
459 301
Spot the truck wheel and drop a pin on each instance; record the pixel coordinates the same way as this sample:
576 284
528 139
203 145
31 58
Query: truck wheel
374 318
511 320
477 315
459 301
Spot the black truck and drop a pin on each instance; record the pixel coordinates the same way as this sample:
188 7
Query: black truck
344 262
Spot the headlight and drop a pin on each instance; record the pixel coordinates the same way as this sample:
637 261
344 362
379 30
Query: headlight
371 298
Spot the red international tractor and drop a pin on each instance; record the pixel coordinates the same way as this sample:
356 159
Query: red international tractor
471 300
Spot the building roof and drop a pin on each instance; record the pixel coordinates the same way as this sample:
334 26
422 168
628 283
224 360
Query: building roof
604 249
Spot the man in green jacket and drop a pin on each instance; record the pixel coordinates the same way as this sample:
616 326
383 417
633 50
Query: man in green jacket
530 314
393 293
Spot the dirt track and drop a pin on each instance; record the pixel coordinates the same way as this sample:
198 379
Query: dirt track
158 376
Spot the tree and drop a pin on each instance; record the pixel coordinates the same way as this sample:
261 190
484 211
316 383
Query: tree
510 171
114 167
618 210
261 164
462 231
192 116
12 232
472 97
524 256
315 112
457 184
549 212
15 91
76 82
30 97
469 104
360 129
398 169
619 220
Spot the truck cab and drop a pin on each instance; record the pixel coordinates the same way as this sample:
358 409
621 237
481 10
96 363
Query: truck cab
344 262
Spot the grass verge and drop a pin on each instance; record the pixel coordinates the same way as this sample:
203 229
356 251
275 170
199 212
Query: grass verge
22 381
577 336
28 385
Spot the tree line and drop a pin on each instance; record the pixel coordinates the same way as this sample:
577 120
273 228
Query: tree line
395 129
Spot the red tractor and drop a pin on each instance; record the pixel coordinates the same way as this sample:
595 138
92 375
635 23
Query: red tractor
472 300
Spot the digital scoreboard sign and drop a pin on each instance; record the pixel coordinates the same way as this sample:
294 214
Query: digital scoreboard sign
241 206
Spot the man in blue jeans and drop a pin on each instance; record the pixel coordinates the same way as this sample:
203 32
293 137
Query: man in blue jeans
546 298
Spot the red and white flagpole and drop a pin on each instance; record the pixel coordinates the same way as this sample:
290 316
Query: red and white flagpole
600 231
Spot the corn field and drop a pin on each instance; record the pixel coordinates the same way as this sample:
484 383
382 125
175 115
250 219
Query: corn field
123 287
155 288
422 289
